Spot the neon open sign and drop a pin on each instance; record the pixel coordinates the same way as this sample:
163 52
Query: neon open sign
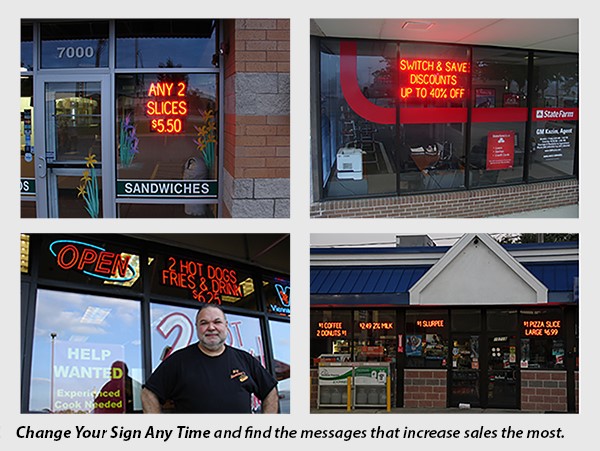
94 261
167 106
433 79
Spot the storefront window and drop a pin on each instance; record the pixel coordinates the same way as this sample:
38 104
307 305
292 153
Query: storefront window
280 339
466 320
555 116
87 355
166 43
202 281
74 44
26 47
358 82
330 334
167 135
433 93
426 343
375 338
499 117
277 296
542 340
400 117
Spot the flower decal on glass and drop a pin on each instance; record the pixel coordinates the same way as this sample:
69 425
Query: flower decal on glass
206 138
88 189
128 141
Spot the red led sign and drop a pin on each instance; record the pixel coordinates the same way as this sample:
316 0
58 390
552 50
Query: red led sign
93 261
430 323
206 283
433 79
537 328
167 106
385 325
331 329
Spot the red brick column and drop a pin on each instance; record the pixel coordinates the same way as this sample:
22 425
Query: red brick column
425 388
257 125
544 391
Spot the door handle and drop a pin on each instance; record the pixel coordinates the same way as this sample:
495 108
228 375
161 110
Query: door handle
41 167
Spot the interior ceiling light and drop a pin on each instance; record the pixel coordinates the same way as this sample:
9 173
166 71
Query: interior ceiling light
417 25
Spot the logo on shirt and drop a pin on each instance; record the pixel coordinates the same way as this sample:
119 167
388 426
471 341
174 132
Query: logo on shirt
238 374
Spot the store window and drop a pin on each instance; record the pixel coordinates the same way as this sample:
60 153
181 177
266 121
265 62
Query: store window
74 44
330 335
402 117
358 81
433 93
166 43
280 339
426 342
555 116
542 339
375 338
497 150
202 281
87 355
26 47
167 141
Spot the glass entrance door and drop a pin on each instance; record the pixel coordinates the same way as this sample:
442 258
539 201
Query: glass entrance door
75 138
502 372
465 373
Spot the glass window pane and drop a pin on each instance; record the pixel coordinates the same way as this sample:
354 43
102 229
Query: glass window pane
555 116
375 338
501 320
167 138
468 320
358 139
542 340
280 338
426 342
73 121
330 333
26 46
166 43
433 84
87 355
75 44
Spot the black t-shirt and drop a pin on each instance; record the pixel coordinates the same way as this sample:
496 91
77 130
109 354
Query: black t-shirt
198 383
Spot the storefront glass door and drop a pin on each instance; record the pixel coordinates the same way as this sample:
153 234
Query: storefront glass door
502 380
465 375
75 141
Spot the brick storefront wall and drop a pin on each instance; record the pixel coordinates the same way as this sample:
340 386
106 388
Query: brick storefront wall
546 391
460 204
425 388
257 120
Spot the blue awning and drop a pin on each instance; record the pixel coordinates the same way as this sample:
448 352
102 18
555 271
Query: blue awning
389 285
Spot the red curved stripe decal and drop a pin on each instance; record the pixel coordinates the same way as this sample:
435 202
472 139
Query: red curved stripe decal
352 93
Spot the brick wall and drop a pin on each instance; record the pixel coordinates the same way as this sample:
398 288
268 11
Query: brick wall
425 388
544 391
257 122
461 204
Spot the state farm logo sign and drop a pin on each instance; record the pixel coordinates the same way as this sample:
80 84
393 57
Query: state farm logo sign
565 114
92 260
